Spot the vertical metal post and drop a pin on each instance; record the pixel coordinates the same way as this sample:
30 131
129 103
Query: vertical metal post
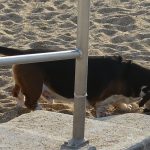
81 70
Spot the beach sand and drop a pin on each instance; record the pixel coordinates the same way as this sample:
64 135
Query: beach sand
116 27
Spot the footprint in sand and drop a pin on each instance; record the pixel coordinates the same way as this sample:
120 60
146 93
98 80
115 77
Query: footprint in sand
111 10
136 45
52 22
139 13
5 72
64 16
49 15
7 10
146 41
11 16
67 25
4 38
8 23
37 10
2 97
33 17
124 1
61 4
15 6
123 38
3 81
116 47
45 44
2 6
145 4
9 105
67 37
109 32
58 2
118 20
126 28
142 36
49 8
74 19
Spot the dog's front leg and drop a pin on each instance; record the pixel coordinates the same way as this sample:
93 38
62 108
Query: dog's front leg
20 100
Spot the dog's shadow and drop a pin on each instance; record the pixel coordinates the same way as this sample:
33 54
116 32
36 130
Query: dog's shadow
107 117
18 111
13 113
115 115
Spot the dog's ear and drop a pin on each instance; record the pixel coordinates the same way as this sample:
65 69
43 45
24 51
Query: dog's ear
118 58
122 59
129 61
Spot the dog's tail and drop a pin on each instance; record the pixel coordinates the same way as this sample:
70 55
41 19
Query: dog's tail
12 51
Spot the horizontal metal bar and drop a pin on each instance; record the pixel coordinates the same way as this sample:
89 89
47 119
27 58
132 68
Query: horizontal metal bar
40 57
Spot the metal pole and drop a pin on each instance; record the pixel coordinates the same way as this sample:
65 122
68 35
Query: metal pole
41 57
81 70
80 92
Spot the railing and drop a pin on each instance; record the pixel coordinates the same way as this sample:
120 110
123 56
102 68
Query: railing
40 57
81 55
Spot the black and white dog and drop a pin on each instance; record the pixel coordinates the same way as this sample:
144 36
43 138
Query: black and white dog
107 75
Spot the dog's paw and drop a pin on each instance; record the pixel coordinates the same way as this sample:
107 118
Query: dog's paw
38 107
104 110
102 114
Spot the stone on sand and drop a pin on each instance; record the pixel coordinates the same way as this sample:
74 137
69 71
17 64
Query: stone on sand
45 130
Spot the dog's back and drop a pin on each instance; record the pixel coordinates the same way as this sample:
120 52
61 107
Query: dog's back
101 71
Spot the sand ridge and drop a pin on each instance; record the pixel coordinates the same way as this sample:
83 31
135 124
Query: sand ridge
116 27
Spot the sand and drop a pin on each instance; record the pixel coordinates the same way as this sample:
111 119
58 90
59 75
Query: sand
116 27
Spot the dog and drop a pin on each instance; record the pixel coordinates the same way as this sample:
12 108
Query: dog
107 76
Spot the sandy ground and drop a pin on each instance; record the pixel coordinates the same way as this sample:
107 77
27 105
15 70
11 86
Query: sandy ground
116 27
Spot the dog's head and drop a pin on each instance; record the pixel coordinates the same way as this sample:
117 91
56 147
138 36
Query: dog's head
144 90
